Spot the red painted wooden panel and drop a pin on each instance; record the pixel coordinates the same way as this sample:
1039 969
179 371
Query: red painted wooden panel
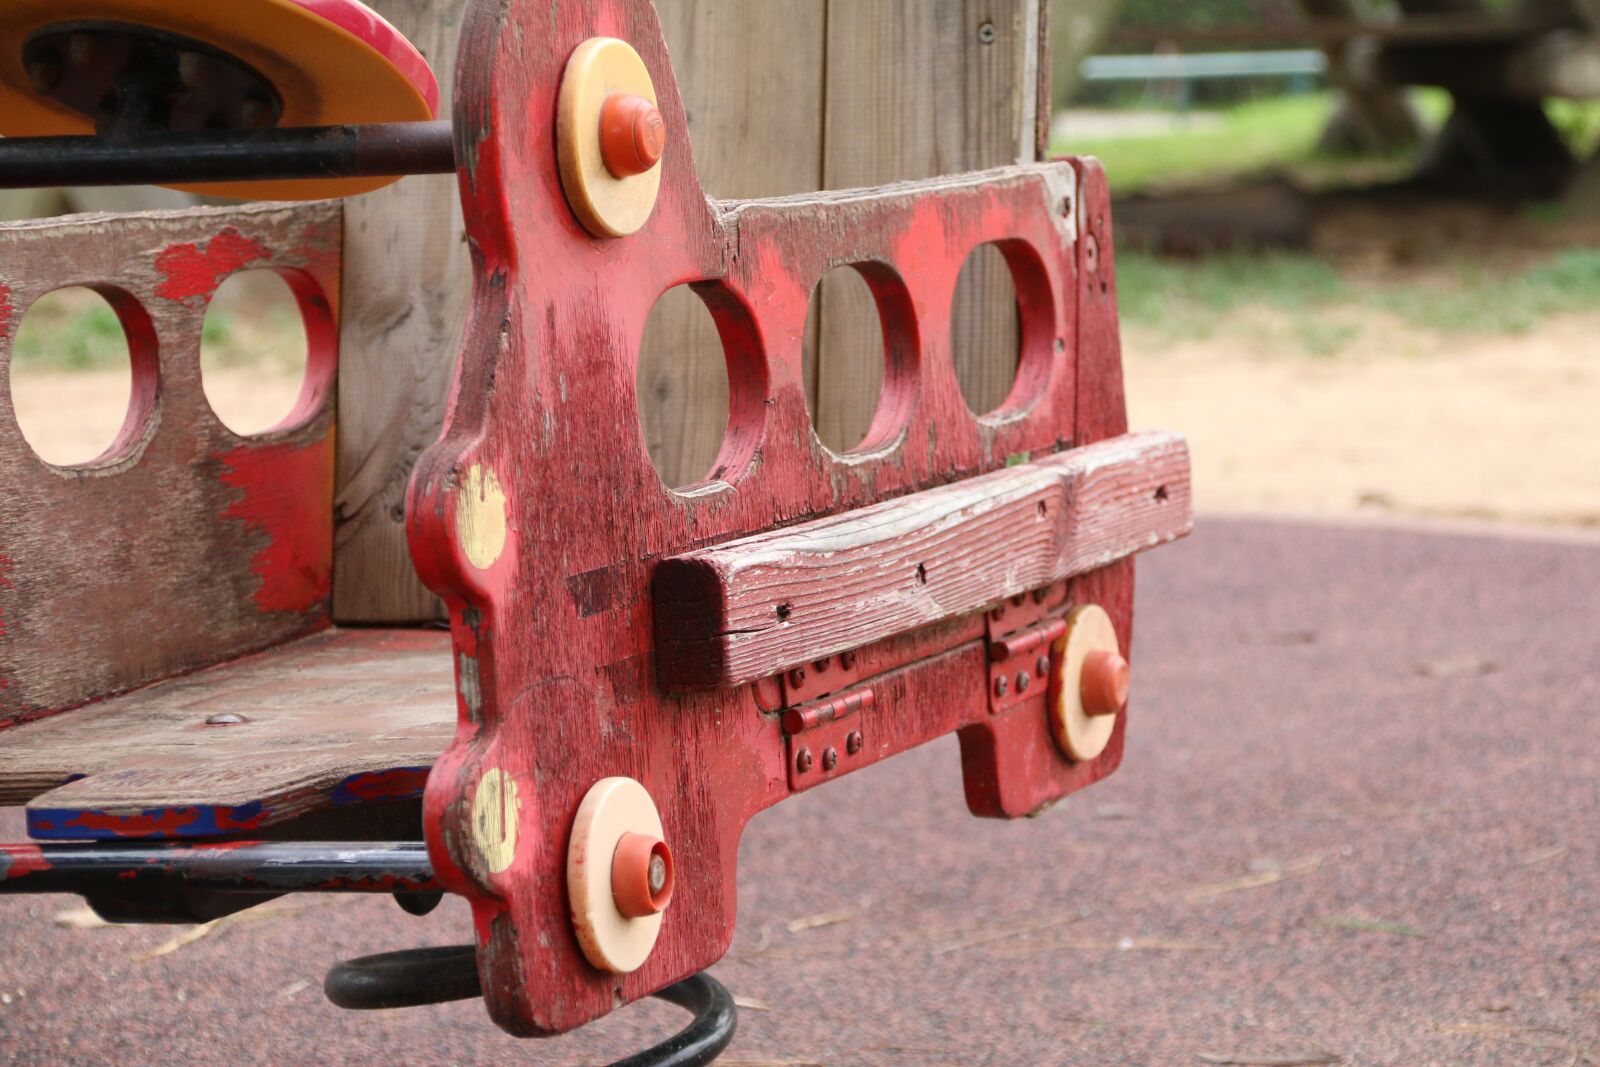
760 605
540 520
186 544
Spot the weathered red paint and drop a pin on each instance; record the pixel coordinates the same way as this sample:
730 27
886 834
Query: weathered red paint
167 823
553 623
17 861
194 270
284 491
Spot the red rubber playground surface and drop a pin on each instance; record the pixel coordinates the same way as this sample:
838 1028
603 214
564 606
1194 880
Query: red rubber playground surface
1356 824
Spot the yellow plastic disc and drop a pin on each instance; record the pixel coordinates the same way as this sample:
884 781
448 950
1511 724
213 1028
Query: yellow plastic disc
333 62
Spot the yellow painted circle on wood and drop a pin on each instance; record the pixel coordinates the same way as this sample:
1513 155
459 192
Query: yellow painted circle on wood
495 819
1080 735
481 520
325 74
607 206
611 941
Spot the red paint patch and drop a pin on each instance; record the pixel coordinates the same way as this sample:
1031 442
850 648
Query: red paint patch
193 271
285 494
381 785
6 311
21 860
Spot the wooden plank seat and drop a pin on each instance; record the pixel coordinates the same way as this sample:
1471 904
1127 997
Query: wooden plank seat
340 718
186 574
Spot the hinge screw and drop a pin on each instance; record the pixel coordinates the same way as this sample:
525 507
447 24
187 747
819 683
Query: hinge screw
1002 686
847 660
1024 679
852 744
1042 665
802 762
797 676
1040 595
830 759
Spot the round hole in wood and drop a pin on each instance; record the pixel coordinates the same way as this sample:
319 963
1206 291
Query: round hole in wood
860 357
1002 331
265 333
701 386
83 375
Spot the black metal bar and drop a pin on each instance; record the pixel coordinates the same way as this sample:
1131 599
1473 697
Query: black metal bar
375 151
263 868
703 1040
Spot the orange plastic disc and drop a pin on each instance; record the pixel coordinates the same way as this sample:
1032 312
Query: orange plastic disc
333 62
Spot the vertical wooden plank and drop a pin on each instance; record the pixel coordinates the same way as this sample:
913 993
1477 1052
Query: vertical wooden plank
751 79
407 280
916 90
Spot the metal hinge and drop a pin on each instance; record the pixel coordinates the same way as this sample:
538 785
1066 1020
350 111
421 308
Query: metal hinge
826 737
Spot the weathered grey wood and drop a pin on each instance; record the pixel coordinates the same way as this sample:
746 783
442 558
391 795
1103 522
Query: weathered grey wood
314 713
751 79
916 90
407 270
755 607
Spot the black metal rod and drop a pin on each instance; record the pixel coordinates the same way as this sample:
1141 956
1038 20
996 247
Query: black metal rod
311 152
264 867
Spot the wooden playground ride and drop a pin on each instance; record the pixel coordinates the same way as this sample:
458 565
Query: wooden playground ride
637 671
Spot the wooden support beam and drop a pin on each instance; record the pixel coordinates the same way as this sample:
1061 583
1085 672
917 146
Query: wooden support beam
1564 63
755 607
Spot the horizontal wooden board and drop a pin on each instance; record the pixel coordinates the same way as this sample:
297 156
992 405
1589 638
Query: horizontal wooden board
342 717
757 606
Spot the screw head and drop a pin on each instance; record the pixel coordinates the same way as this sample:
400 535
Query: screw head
852 744
830 759
1041 595
226 718
797 676
1042 666
658 873
1024 680
1002 686
819 665
847 660
986 33
802 762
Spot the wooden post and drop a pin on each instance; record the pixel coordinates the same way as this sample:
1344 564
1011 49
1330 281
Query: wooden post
407 280
784 96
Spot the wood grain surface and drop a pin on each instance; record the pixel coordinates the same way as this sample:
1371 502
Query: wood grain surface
760 605
185 544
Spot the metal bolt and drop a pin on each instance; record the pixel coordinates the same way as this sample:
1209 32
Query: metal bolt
658 874
847 660
830 759
1042 665
1024 679
852 744
986 33
226 718
797 676
1019 600
998 613
802 762
1041 595
819 665
1002 686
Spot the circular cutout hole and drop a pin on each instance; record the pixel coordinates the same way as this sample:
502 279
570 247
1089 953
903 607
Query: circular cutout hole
844 359
254 351
860 357
701 385
80 388
986 330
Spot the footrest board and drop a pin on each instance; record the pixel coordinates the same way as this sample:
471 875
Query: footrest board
340 718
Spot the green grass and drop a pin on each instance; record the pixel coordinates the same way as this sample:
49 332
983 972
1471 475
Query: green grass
1279 134
72 329
1191 298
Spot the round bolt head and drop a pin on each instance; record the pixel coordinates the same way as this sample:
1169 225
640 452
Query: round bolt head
1002 686
1104 683
803 761
641 875
226 718
852 743
797 676
1041 666
847 660
633 135
1024 680
830 759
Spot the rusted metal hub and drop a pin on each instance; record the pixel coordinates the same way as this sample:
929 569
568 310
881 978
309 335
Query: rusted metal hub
136 80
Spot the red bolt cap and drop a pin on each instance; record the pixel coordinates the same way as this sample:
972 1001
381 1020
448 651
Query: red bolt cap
1104 683
641 875
633 135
